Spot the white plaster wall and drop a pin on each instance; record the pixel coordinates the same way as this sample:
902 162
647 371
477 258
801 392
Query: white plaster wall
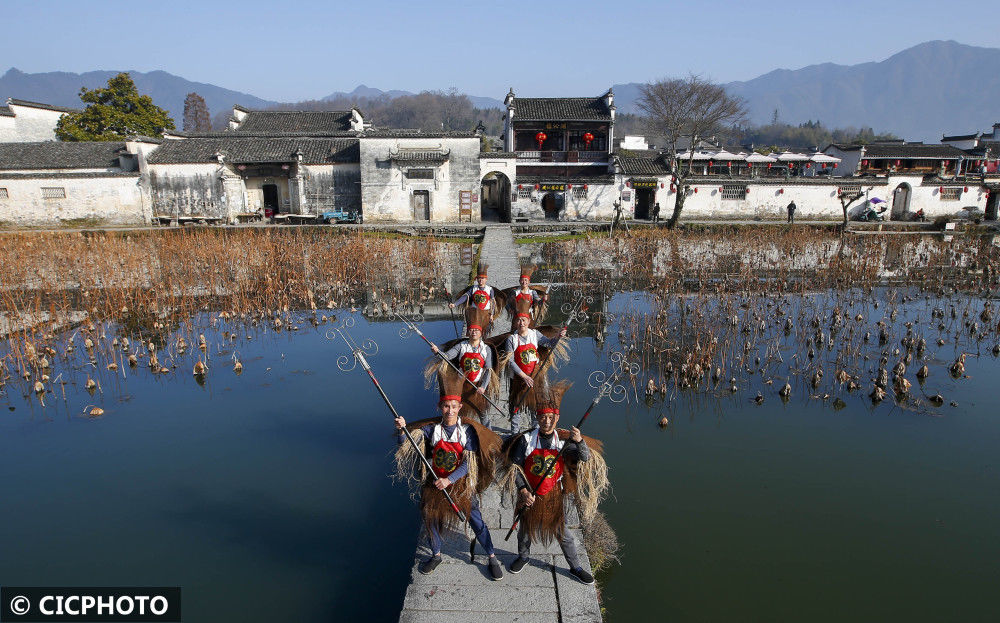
386 194
507 166
598 204
113 200
35 124
8 129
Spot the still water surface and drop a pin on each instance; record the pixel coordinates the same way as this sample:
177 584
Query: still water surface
266 496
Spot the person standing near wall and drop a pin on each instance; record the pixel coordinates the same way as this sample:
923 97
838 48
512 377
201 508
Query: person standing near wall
656 213
791 212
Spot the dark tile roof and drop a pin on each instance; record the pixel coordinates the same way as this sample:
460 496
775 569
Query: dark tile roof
903 150
58 155
963 137
28 104
6 112
295 121
247 149
561 179
643 165
407 133
912 150
262 134
561 108
56 175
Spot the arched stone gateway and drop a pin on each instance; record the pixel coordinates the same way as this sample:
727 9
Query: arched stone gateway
900 202
495 197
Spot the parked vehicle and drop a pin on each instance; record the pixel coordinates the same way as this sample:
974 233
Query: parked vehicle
341 216
869 215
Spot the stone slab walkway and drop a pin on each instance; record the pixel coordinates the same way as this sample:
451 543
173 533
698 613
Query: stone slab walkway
462 591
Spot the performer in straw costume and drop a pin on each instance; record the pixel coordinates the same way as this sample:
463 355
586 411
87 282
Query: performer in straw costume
580 471
463 455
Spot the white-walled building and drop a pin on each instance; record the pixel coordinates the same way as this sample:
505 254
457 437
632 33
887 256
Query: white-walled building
22 121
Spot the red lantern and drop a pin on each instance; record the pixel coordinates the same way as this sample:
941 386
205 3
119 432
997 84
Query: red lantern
790 165
747 190
941 189
540 138
585 187
834 165
965 190
588 138
569 187
520 186
864 163
536 186
729 164
809 165
824 165
711 163
672 188
768 165
720 189
781 191
899 163
628 184
696 189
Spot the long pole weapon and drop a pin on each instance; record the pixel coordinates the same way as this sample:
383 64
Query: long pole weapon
411 326
346 364
606 386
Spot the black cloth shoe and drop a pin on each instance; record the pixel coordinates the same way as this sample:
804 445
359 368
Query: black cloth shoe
583 575
496 571
517 565
428 566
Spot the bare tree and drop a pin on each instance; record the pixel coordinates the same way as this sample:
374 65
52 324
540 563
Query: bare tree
196 118
691 108
846 199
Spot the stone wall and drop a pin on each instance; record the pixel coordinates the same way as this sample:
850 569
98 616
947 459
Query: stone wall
387 193
93 199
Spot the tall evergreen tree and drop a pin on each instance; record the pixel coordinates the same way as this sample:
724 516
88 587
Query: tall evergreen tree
196 117
114 113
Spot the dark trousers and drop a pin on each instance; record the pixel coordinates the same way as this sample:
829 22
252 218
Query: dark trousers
791 216
478 528
566 542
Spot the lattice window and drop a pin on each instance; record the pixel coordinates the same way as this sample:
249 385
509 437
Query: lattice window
420 174
579 192
3 194
626 195
524 193
734 191
951 194
53 192
850 189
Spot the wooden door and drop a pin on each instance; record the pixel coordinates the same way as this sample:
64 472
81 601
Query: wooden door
421 205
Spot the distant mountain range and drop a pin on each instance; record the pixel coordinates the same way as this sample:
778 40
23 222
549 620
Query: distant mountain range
934 88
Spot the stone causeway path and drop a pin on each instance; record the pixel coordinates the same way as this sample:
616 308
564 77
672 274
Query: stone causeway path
459 591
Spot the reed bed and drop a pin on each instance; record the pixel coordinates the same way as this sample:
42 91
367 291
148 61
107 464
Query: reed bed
804 312
113 300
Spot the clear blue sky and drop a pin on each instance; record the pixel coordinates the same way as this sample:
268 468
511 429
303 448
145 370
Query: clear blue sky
295 49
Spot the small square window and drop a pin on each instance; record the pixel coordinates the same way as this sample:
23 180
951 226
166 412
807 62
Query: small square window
579 192
3 194
524 193
54 192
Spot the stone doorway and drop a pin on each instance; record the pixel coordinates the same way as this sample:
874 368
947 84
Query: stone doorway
421 205
272 200
643 203
900 202
552 205
495 197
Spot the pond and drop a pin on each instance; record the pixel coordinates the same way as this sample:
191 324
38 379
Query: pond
266 493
